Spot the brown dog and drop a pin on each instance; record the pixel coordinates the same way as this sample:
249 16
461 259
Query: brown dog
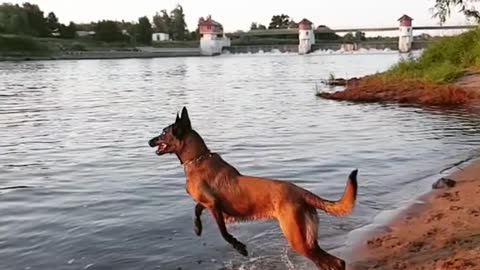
229 196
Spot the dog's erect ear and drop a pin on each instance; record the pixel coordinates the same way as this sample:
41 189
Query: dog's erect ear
185 119
182 125
177 120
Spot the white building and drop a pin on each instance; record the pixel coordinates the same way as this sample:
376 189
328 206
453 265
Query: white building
405 37
212 38
306 36
159 37
85 33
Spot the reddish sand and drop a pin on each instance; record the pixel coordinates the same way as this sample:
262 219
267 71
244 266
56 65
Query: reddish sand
470 82
443 233
378 88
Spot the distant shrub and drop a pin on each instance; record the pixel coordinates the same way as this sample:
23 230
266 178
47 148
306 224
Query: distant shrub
78 47
20 44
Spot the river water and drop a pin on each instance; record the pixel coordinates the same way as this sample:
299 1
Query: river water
76 132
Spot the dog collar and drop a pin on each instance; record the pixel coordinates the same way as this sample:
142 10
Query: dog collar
199 158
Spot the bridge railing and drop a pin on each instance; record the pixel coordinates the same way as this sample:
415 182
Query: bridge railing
294 31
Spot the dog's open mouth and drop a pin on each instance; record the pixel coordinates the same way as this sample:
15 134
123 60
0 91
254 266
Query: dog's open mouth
161 148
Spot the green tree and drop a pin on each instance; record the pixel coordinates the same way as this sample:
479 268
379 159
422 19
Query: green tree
14 20
262 27
178 26
194 35
69 31
86 26
52 22
254 26
292 24
108 31
36 20
348 37
328 36
162 22
168 22
442 9
26 20
359 36
279 22
129 27
143 31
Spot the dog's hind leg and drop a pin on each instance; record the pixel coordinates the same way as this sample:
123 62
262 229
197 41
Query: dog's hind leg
299 225
198 222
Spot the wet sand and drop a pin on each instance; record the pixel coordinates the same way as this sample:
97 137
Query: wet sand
441 233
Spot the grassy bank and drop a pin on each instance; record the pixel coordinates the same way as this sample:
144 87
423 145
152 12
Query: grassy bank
21 46
426 80
381 88
14 45
444 61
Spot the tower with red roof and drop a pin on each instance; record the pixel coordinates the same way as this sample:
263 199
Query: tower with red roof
306 36
405 37
212 38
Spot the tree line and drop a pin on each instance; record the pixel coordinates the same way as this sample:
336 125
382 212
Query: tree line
28 19
284 21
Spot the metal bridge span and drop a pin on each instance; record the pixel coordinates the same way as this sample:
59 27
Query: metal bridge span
294 31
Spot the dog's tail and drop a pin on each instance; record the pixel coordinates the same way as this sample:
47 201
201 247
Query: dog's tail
336 208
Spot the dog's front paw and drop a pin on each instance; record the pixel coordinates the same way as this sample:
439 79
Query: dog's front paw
198 227
333 264
241 248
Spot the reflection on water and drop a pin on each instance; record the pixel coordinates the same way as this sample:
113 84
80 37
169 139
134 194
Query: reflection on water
76 132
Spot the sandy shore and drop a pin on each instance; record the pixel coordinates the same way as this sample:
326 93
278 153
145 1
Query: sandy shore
441 233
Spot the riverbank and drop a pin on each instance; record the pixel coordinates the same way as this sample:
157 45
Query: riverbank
441 232
83 55
381 88
446 74
21 48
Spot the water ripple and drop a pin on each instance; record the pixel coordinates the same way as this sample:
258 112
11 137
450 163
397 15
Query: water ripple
76 132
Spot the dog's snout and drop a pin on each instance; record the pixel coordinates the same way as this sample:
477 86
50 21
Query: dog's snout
153 142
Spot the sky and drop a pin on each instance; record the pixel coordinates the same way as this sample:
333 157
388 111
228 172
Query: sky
238 15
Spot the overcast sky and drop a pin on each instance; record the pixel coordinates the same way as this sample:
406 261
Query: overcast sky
238 15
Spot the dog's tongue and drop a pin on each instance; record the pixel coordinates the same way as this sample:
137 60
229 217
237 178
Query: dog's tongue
161 147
